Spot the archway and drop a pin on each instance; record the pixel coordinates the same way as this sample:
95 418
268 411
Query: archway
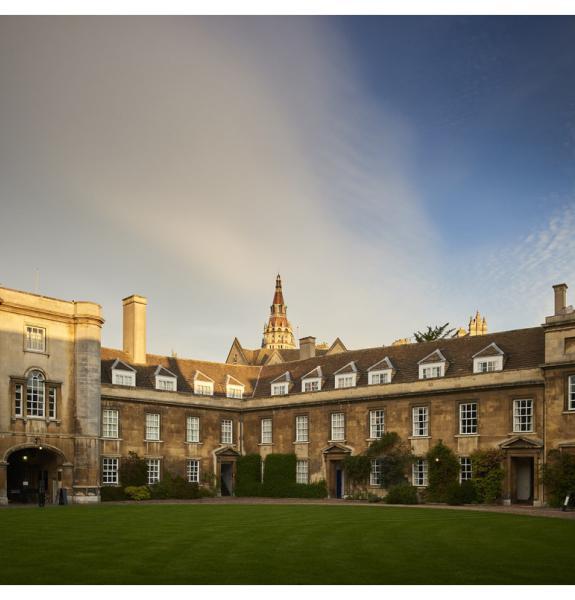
32 467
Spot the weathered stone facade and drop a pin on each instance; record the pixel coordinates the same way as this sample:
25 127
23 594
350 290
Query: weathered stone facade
229 403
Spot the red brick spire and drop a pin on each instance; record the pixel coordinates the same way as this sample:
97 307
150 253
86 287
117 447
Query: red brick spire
278 296
278 332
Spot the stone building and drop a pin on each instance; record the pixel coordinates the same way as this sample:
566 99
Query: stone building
75 410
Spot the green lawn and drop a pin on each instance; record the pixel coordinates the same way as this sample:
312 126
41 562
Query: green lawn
192 544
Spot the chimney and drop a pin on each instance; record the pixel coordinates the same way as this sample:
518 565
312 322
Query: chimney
307 347
560 298
135 328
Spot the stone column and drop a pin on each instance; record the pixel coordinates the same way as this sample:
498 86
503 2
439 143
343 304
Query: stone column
3 482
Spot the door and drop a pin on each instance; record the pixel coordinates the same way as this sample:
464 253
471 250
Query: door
338 482
523 479
226 479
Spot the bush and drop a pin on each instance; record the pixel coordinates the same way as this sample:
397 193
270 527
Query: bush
112 493
469 495
559 476
357 469
279 472
175 488
140 492
443 473
394 457
133 471
402 493
249 475
455 494
488 475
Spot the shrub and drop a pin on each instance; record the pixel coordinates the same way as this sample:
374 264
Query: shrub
395 457
402 493
140 492
248 475
112 493
455 495
175 488
279 472
488 475
559 476
443 472
469 495
357 469
133 471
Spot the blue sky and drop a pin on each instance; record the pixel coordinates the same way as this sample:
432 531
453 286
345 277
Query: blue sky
398 172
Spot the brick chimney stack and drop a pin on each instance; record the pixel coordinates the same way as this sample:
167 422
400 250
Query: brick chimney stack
135 328
560 291
307 347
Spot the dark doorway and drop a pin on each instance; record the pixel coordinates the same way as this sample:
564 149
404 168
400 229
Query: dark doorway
522 470
338 480
226 479
28 470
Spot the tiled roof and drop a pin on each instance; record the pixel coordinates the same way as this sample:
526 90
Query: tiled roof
523 348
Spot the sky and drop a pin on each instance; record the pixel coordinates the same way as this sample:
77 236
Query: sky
398 172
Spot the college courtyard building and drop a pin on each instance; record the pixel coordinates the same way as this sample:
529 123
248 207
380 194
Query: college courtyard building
71 411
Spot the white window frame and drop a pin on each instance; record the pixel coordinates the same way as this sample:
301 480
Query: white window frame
420 421
302 428
227 431
375 473
193 470
380 377
432 370
52 402
266 428
165 383
36 395
153 424
203 388
35 339
523 415
311 384
18 400
337 427
419 473
234 391
468 421
376 423
345 380
154 470
571 393
111 423
302 471
280 389
123 377
193 429
110 471
465 469
488 364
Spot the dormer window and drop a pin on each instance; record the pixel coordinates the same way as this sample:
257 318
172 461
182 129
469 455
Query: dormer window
123 374
234 388
280 389
166 380
312 381
489 359
381 372
346 377
432 366
203 385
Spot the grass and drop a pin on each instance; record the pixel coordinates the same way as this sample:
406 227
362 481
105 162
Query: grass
256 544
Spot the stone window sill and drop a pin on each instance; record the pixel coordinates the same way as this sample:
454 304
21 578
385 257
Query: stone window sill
466 435
296 442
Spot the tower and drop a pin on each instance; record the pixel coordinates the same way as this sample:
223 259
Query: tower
477 325
278 332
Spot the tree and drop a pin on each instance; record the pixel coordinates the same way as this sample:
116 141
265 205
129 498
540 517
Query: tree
394 456
443 472
433 333
357 469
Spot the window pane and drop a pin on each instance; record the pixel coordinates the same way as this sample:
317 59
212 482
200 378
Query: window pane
153 470
266 425
36 339
376 424
194 471
109 471
301 428
152 427
420 421
227 431
522 415
337 427
35 394
468 418
302 471
193 429
110 422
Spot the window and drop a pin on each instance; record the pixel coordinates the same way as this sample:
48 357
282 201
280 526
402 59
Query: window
110 423
120 377
279 389
235 391
166 384
18 408
152 427
203 388
375 473
345 381
420 416
488 365
266 431
153 470
35 339
465 472
376 423
522 416
51 403
311 385
35 394
419 472
431 371
379 377
194 471
302 471
227 431
338 427
110 471
301 428
468 418
571 393
193 429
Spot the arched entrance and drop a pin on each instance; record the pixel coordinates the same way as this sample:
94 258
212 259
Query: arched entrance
29 468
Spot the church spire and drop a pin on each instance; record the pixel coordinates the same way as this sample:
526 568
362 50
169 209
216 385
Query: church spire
278 332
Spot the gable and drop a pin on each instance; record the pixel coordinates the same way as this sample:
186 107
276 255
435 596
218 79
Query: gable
314 373
199 376
520 442
349 368
435 357
337 347
163 372
122 366
382 365
283 378
492 350
233 381
236 354
275 358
